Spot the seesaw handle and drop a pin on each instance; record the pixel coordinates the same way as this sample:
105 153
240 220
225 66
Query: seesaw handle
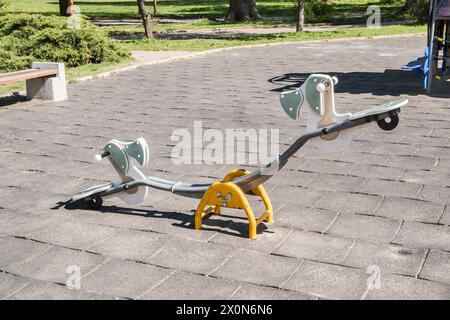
99 157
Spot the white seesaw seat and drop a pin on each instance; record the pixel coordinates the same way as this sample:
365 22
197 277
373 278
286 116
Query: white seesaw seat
317 95
378 109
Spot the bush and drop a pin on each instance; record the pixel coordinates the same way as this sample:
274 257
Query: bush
25 38
418 9
23 26
3 6
10 62
316 8
74 47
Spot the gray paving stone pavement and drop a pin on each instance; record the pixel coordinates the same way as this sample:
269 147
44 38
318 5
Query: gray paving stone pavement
382 204
436 266
329 281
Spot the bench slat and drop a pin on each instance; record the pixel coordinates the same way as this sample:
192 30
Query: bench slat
26 75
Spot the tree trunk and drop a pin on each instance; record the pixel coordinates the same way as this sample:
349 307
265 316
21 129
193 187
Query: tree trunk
146 18
154 7
66 8
240 10
300 15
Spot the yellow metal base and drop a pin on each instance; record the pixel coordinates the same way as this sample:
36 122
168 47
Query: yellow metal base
229 195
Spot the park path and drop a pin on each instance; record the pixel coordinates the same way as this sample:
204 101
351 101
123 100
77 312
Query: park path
379 208
230 32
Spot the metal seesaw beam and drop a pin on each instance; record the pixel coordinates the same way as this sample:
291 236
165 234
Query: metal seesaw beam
250 181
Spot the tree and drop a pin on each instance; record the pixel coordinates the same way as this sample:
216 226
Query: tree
66 8
146 18
154 7
240 10
300 15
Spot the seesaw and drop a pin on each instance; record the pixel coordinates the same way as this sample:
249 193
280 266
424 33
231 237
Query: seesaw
325 126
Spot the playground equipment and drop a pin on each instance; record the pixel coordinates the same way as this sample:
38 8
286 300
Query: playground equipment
325 126
435 64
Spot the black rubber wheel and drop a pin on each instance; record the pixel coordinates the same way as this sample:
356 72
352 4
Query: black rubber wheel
95 203
388 124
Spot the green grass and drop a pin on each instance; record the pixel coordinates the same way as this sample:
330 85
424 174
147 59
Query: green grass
115 9
205 44
208 9
280 12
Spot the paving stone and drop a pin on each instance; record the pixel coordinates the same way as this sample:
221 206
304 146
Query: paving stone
397 287
268 237
436 152
389 258
34 202
324 166
411 162
285 176
394 149
429 141
382 136
364 158
422 235
427 177
364 227
125 279
360 146
434 193
295 196
377 172
191 256
10 283
41 290
74 234
307 219
329 182
436 267
131 244
258 268
328 281
5 214
446 216
442 131
15 251
443 165
410 209
188 286
391 188
315 246
252 292
25 224
53 264
350 202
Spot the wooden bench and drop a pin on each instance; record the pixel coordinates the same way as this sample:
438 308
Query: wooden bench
44 81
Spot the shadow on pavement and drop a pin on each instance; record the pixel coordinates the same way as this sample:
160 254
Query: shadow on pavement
230 226
389 82
10 100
